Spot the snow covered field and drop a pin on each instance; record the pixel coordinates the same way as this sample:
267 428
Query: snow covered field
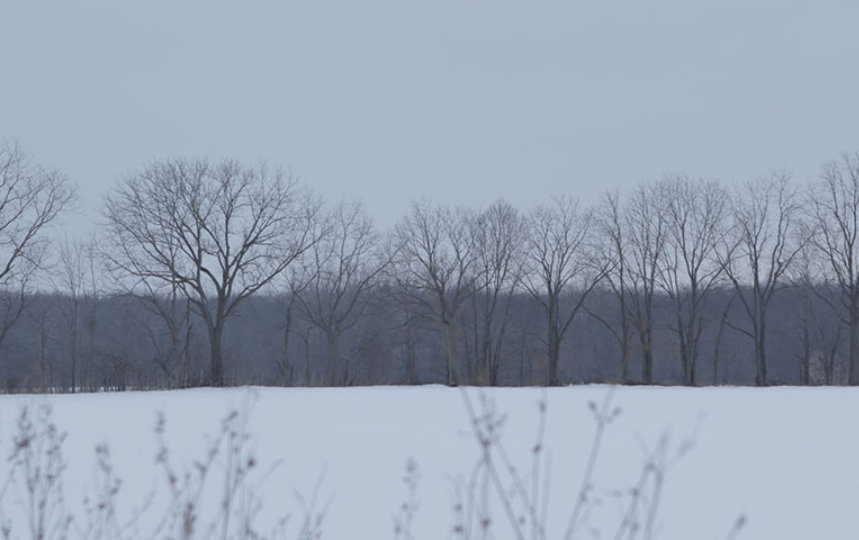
787 458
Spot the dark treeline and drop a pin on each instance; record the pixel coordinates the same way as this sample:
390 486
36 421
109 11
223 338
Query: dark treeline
122 344
220 273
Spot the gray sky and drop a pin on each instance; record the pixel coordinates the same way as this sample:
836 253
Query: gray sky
457 100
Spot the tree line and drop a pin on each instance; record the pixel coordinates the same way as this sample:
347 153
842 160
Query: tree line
219 272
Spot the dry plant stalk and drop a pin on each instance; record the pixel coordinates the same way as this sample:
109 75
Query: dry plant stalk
213 498
525 507
35 476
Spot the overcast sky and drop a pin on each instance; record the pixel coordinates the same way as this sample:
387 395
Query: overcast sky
456 100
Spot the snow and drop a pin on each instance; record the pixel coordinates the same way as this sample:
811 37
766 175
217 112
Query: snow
783 457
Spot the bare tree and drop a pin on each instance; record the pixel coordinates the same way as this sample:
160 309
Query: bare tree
499 232
43 321
820 340
647 225
219 232
695 212
78 284
173 319
31 198
346 265
760 248
562 270
173 312
834 211
612 230
435 268
296 279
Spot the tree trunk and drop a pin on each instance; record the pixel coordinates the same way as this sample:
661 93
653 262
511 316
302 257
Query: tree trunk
645 335
717 350
625 335
452 356
554 356
74 346
488 370
624 362
854 339
333 359
308 374
347 375
411 360
695 341
805 360
217 360
91 327
522 361
685 361
760 349
284 367
552 341
647 360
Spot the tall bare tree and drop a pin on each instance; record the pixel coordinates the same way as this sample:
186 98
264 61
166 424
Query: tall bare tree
435 268
611 227
562 269
695 213
347 263
77 282
820 341
295 280
219 232
761 246
31 198
834 212
646 222
499 231
45 325
173 314
173 318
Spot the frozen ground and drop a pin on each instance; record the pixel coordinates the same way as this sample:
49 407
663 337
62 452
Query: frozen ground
788 458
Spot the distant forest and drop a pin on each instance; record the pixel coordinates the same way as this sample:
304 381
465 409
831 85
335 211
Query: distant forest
220 273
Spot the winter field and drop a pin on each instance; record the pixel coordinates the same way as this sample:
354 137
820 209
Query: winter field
784 457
